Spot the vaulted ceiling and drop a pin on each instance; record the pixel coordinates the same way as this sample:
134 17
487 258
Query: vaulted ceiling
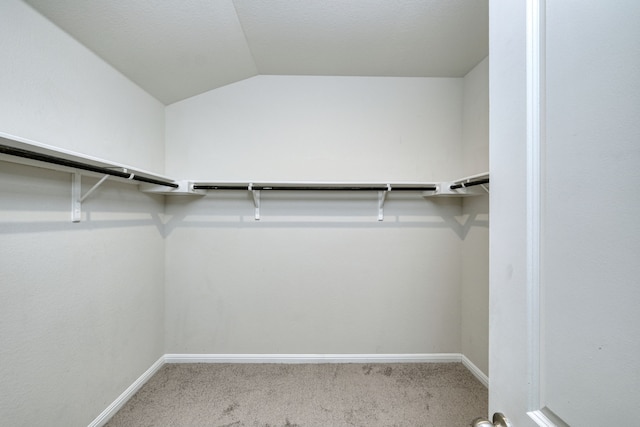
175 49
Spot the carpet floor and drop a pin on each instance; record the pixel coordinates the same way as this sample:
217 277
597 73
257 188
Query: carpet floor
306 395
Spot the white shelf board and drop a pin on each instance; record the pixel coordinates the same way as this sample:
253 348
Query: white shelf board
314 185
445 190
442 189
38 147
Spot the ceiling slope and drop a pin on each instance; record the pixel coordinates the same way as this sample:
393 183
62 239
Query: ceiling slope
175 49
402 38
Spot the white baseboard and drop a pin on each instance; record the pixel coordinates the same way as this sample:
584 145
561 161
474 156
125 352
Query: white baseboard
284 358
314 358
475 371
331 358
126 395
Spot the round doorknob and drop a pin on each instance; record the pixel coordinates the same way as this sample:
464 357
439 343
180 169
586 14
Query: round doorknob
499 420
481 422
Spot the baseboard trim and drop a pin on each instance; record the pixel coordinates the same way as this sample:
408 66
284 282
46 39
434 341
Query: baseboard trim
127 394
484 379
314 358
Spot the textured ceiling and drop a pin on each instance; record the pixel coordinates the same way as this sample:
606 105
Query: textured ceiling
175 49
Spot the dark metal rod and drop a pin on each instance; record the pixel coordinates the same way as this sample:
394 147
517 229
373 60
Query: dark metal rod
469 184
324 188
19 152
308 188
430 188
220 187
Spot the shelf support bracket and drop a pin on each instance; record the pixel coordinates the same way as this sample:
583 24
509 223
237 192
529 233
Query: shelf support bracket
76 198
92 189
76 195
256 201
382 195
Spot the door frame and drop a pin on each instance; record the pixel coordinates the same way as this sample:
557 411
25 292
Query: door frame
517 38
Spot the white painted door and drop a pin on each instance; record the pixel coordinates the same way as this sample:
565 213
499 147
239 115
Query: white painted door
565 212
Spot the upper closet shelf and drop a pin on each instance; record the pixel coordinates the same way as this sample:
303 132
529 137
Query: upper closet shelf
317 186
19 150
474 185
469 186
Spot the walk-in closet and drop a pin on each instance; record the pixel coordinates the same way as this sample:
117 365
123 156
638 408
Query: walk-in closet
277 183
294 209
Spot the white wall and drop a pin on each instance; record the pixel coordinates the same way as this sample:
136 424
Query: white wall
55 91
475 120
81 305
475 210
319 128
315 275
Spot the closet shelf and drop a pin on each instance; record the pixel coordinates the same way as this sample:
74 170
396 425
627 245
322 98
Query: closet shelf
23 151
473 185
469 186
18 150
317 186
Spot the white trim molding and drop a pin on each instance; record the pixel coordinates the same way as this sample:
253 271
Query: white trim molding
314 358
536 11
481 376
541 419
331 358
111 410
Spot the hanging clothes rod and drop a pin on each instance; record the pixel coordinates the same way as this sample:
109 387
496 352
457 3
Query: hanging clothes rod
319 188
469 184
220 187
314 188
19 152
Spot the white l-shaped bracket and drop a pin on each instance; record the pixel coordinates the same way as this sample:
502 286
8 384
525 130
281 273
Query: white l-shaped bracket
256 201
382 195
76 195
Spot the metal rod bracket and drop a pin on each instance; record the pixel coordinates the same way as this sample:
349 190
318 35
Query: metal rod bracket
92 189
382 195
76 198
256 201
76 194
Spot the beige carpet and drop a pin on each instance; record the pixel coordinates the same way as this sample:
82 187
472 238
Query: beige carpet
306 395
